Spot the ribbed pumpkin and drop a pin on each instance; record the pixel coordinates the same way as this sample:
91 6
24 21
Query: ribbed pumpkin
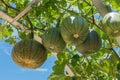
111 24
29 54
74 29
53 41
92 44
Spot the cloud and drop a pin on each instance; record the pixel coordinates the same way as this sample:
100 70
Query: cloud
41 70
37 70
6 50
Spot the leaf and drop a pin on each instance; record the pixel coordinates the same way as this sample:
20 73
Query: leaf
11 40
59 77
23 35
59 66
115 4
58 70
5 31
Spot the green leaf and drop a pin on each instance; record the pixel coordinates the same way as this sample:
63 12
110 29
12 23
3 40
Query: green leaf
24 35
60 77
5 31
11 40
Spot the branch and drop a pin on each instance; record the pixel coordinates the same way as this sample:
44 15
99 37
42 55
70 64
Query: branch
93 19
117 56
31 27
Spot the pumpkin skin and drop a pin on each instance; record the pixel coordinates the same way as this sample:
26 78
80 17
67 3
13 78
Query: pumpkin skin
74 29
111 24
92 44
53 41
29 54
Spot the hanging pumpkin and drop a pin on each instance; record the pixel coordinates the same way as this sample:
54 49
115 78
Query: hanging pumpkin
29 54
53 41
92 44
74 29
111 24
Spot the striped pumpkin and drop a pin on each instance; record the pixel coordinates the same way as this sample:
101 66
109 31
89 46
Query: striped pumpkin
111 24
74 29
29 54
53 41
92 44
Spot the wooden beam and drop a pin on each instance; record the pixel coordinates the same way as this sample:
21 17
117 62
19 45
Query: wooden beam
10 20
118 40
28 8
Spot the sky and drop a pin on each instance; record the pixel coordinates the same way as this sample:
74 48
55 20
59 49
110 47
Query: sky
10 71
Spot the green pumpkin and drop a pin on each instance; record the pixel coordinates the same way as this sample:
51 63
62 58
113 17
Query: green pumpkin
74 29
29 54
92 44
53 41
111 24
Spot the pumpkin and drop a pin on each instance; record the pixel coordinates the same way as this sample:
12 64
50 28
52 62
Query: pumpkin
29 54
74 29
92 43
53 41
111 24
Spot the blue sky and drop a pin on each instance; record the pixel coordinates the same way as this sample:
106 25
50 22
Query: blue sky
10 71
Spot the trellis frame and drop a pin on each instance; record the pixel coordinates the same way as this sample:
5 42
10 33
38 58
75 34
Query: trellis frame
14 21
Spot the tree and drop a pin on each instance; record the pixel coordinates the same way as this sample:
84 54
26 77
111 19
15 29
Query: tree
38 16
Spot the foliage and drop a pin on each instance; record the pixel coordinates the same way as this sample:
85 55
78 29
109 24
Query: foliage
101 65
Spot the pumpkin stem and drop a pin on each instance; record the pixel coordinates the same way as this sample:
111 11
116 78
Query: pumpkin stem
116 31
76 35
51 47
89 51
